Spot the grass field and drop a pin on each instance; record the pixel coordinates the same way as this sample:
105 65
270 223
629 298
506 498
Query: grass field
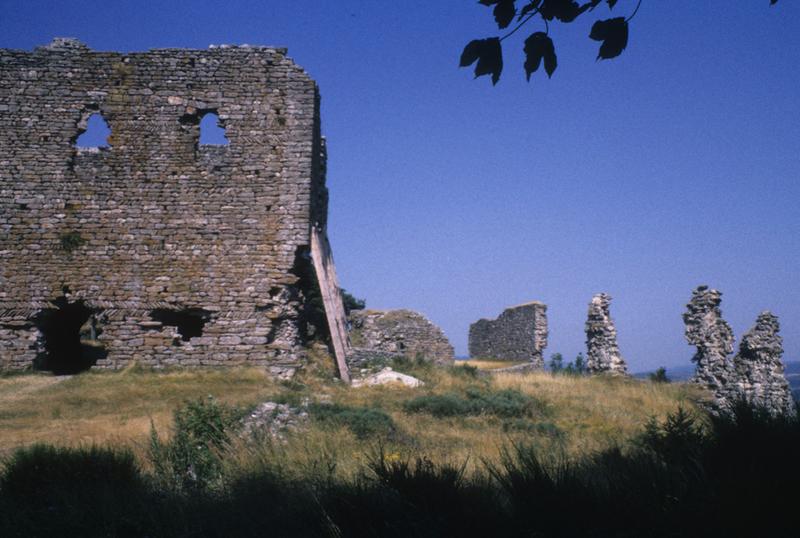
572 413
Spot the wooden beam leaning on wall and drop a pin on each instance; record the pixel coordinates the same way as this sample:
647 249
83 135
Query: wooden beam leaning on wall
322 257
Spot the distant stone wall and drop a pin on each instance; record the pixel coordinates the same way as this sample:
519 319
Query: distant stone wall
382 335
754 375
518 334
156 225
603 354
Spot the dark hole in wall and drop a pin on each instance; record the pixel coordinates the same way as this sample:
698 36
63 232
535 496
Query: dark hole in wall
189 321
70 334
313 324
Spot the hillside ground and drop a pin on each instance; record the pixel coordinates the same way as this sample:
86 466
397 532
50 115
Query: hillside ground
457 416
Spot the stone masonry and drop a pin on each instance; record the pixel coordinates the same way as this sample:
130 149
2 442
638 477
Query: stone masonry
166 251
518 334
754 375
759 370
603 354
383 335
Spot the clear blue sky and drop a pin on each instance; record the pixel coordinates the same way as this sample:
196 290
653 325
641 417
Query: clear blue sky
675 165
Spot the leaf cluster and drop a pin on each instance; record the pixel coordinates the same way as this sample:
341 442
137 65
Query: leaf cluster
487 53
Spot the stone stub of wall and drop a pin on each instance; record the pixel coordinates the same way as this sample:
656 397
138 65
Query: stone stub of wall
759 370
603 354
755 375
382 335
518 334
156 220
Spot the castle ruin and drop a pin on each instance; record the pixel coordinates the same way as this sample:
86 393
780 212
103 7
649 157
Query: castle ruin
602 351
156 249
755 375
518 334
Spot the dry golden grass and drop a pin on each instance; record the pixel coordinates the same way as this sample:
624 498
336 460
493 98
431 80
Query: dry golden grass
487 364
114 407
118 408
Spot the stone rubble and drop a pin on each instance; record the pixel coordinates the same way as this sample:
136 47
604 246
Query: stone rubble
387 376
603 354
274 420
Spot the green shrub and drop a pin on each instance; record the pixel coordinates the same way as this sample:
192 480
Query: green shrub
506 403
362 421
192 459
659 376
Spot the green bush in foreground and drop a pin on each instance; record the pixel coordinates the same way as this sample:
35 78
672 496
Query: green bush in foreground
364 422
506 403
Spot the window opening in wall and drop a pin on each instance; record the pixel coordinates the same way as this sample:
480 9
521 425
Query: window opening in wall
96 133
189 322
70 334
212 132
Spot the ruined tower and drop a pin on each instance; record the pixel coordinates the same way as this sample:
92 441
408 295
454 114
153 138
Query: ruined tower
156 248
603 354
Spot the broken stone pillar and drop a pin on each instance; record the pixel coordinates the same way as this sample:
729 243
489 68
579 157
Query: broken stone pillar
601 339
759 371
713 338
518 334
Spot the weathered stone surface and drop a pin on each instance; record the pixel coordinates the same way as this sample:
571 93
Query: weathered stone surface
713 338
759 370
382 335
519 334
755 374
387 376
275 420
156 220
603 354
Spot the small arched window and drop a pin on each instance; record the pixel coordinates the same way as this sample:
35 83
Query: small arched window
212 132
95 134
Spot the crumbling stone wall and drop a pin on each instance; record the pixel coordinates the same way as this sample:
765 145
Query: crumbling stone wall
518 334
758 367
754 375
157 221
603 354
382 335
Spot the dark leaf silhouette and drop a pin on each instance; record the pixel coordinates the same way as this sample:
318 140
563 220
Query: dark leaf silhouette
504 11
563 10
614 35
539 47
471 53
612 3
489 55
528 8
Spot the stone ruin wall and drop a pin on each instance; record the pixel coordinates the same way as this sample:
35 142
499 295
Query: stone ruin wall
382 335
163 223
518 334
755 374
602 351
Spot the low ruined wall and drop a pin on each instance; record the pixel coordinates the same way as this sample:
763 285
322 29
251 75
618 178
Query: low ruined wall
382 335
518 334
